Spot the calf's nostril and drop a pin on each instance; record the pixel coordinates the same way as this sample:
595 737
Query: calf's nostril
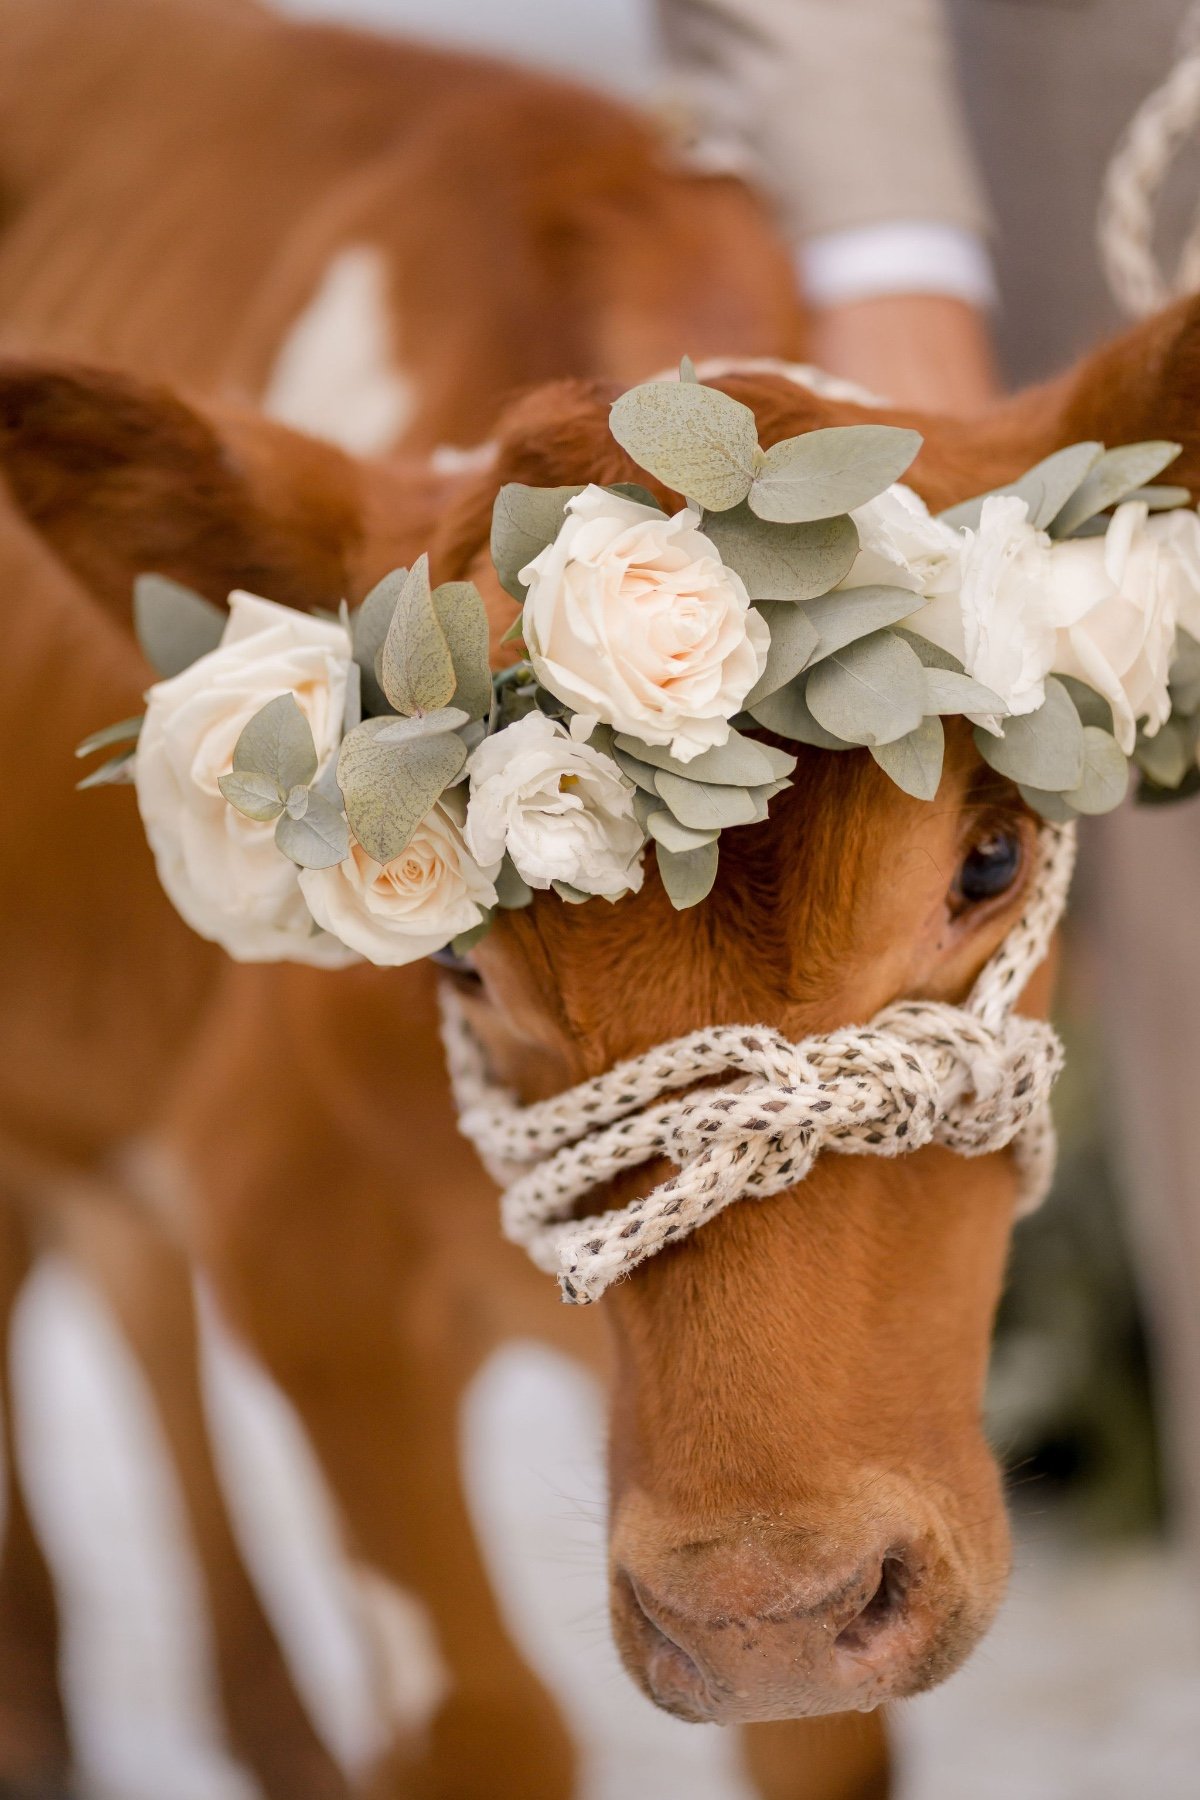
885 1606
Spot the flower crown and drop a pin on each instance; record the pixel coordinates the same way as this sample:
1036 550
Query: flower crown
392 793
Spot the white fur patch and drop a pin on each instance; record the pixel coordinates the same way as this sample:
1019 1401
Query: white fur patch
336 375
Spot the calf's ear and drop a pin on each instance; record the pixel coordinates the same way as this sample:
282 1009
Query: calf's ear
120 478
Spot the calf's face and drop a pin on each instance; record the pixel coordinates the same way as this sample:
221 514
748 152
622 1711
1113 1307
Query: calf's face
805 1516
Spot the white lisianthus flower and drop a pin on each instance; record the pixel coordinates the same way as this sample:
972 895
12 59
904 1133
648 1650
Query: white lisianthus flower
1115 601
221 870
563 811
397 912
1007 632
633 619
901 544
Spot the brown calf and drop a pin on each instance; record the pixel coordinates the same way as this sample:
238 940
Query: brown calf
805 1516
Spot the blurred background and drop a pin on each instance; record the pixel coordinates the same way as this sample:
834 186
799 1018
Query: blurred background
1090 1684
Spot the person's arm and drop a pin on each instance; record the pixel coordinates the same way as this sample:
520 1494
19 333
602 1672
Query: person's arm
847 112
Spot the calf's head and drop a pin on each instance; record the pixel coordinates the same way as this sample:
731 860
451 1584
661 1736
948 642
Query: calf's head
805 1516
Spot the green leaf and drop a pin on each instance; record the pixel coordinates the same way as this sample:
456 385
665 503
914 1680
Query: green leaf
854 613
738 762
869 692
687 875
1045 488
467 940
793 639
787 714
645 805
368 630
416 669
666 830
173 625
463 618
402 731
572 895
524 521
687 369
256 796
784 562
1093 708
389 788
829 471
633 490
932 655
1105 774
1054 807
516 631
1042 749
116 772
278 743
761 796
1116 474
1167 756
512 890
948 691
694 438
1185 674
1161 498
319 839
110 734
642 774
702 806
914 761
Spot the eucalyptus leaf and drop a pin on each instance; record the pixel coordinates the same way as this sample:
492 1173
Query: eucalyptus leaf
793 639
352 711
687 875
787 714
830 471
120 733
760 798
368 629
948 691
572 895
666 830
389 788
174 625
738 762
931 655
854 613
463 618
1045 488
516 631
319 839
702 806
1185 673
524 521
1042 749
645 805
512 890
1054 807
1093 708
1161 498
687 369
633 490
784 562
1168 755
914 761
869 692
278 743
467 940
296 804
642 774
255 796
402 731
694 438
116 772
1105 774
416 669
1116 474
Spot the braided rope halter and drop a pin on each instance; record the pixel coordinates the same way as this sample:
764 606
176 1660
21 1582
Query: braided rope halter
974 1078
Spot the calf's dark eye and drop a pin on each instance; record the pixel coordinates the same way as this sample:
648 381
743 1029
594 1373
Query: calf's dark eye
990 867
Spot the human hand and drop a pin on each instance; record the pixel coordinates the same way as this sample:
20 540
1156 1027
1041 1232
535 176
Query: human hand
922 350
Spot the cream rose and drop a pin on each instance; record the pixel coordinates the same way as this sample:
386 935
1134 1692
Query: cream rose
562 810
399 911
632 618
221 870
1115 602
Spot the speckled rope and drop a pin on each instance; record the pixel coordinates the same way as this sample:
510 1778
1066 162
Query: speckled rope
974 1078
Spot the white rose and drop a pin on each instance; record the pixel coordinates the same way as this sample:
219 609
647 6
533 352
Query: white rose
632 618
563 811
221 870
399 911
1115 601
902 545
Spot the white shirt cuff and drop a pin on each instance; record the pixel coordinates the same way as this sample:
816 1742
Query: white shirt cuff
897 257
